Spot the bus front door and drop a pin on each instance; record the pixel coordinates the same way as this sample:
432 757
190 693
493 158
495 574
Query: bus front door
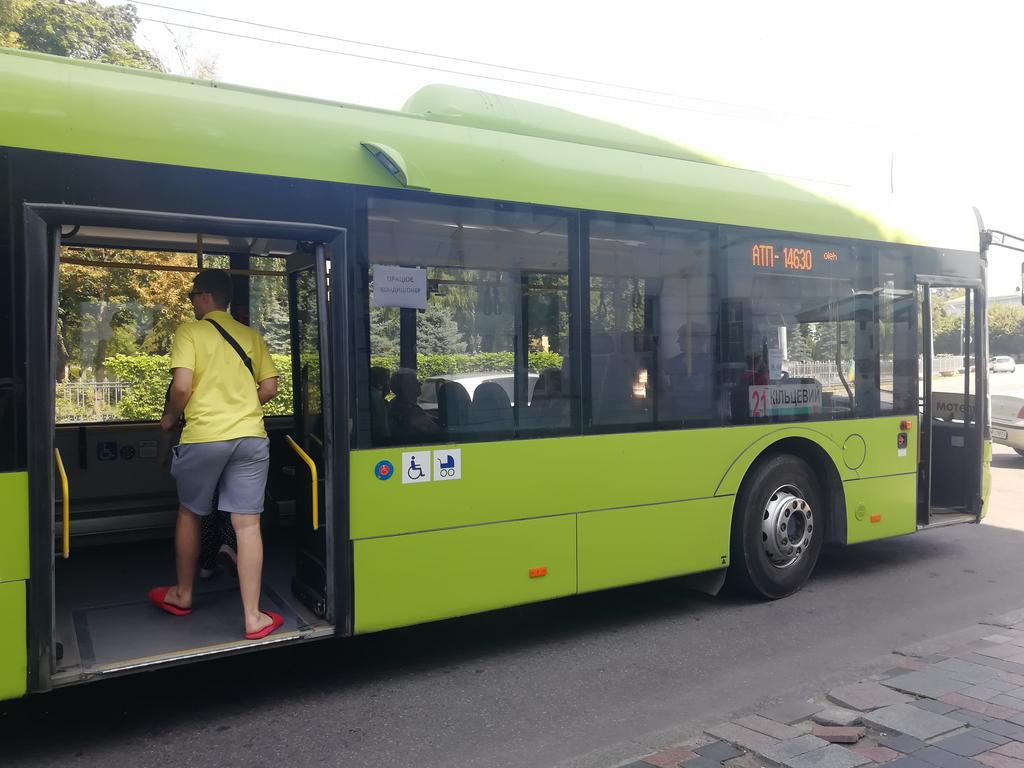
950 404
89 612
313 443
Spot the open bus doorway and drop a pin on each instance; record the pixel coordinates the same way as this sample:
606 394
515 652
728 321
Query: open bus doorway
951 405
116 300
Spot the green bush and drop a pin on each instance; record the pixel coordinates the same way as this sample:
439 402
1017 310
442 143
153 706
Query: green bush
68 411
282 404
148 377
480 362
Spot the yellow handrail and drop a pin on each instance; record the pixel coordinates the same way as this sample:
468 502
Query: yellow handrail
312 471
67 504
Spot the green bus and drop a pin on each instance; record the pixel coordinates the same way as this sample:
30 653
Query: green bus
525 354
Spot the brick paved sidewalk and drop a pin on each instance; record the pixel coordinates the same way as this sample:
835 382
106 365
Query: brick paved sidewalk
949 703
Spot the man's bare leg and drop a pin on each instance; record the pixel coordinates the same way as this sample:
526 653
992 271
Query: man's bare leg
250 569
186 556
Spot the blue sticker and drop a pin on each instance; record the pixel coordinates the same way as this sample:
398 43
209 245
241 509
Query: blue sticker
384 470
106 450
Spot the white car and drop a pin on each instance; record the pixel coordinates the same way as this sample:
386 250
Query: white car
1002 364
1008 419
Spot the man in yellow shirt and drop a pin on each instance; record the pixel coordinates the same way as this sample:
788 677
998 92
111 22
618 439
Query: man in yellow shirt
222 374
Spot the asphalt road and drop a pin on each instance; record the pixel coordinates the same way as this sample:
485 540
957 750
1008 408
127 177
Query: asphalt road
587 681
1003 382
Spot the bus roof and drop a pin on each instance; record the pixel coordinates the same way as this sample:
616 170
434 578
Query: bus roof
448 140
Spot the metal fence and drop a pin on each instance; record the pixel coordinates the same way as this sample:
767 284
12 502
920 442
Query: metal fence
944 365
826 372
88 400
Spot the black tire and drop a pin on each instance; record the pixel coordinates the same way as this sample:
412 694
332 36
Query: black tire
776 487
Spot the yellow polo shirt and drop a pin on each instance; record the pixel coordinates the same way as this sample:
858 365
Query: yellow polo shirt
224 405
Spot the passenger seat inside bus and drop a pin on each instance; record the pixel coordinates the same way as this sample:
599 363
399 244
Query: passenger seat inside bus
491 413
550 404
454 406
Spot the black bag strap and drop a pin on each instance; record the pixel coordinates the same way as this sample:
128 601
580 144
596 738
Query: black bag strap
234 345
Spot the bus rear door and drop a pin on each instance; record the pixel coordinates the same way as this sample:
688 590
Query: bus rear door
951 398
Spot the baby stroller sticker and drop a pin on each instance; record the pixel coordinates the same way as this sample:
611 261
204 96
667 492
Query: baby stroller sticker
448 464
416 467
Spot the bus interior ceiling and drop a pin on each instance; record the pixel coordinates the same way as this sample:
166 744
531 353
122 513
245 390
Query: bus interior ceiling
121 294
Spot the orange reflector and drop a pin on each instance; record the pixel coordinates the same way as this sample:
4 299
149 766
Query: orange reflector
876 518
536 573
906 424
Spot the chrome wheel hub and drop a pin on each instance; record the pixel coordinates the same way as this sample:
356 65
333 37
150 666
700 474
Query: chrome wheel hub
787 524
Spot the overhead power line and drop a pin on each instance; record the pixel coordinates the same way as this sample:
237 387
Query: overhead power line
427 54
428 67
724 108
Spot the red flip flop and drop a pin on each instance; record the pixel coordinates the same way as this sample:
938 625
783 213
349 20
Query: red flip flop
276 620
158 597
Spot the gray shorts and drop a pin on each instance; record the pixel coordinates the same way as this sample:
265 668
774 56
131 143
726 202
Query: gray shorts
237 468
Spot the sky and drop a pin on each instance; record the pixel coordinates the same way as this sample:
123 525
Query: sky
916 97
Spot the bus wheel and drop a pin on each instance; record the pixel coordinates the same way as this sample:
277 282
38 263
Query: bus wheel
778 527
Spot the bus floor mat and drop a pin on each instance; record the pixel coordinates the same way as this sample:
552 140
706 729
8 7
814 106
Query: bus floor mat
108 634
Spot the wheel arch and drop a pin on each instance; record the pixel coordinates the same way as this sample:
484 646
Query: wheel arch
820 452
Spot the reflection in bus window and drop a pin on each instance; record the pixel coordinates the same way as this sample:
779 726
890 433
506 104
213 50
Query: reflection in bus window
792 351
897 353
117 313
477 316
651 324
827 335
268 313
116 318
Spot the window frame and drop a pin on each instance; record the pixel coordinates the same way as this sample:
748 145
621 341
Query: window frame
859 250
580 328
361 304
587 217
242 291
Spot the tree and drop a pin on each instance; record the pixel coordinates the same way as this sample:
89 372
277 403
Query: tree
796 344
92 321
9 12
437 331
946 329
105 311
825 338
384 330
1006 330
201 67
268 310
79 30
163 297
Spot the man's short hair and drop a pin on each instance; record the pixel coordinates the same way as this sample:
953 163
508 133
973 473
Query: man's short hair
215 282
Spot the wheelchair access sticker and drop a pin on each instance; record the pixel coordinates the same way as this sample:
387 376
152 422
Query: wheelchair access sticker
416 467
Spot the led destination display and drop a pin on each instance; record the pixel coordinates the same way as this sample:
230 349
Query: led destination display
796 258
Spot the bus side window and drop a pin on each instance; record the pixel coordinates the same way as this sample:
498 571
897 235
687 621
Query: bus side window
652 323
487 311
